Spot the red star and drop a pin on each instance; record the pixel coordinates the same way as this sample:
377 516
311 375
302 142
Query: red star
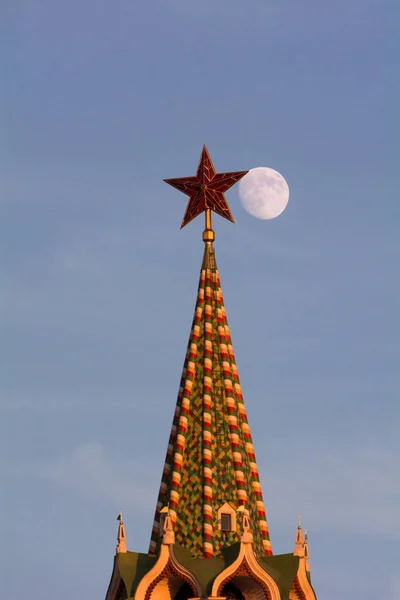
206 189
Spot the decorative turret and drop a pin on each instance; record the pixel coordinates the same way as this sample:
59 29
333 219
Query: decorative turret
306 551
299 540
247 536
121 546
168 537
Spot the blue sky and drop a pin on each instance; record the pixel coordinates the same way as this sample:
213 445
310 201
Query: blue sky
101 101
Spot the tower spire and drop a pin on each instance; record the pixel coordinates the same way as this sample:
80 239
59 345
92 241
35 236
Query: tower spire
210 468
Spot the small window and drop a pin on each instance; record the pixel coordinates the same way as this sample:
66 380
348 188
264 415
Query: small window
226 522
227 517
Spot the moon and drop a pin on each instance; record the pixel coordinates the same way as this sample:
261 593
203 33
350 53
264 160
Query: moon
264 193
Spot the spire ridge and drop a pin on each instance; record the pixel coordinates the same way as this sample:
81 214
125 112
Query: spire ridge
209 258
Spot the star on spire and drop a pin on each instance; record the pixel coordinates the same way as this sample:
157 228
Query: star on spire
206 190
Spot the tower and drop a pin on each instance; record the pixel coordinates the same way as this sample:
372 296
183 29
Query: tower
210 536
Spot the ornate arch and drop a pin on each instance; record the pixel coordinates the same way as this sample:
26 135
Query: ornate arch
246 566
170 576
245 573
167 568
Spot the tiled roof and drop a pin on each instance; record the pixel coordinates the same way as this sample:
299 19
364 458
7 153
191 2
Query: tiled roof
210 458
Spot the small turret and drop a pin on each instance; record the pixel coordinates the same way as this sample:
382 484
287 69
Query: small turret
299 540
247 536
306 551
121 546
168 537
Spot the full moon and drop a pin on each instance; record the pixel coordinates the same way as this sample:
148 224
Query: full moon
263 193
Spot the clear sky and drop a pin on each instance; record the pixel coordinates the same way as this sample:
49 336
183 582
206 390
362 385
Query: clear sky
102 100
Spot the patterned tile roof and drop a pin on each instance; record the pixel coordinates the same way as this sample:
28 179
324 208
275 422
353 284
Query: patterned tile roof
210 457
